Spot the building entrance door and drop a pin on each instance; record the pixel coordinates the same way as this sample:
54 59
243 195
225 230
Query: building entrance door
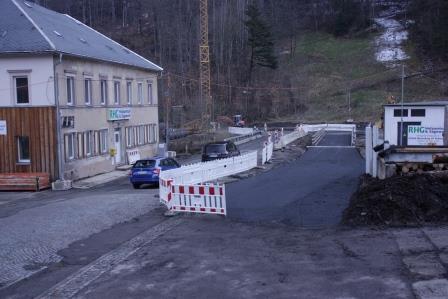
117 139
404 138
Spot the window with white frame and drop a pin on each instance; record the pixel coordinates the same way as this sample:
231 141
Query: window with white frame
103 91
117 92
147 134
134 136
129 92
150 96
70 90
103 141
21 90
129 137
141 135
151 134
88 143
140 92
70 146
23 149
88 91
154 133
80 145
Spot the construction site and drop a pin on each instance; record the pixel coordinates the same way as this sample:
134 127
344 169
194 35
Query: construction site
269 149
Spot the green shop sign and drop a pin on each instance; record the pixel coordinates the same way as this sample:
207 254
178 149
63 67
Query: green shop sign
118 114
425 136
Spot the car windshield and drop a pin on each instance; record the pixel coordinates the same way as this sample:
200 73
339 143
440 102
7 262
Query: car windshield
145 164
215 148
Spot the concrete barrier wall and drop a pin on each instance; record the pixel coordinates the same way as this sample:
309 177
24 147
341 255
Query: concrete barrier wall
289 138
240 131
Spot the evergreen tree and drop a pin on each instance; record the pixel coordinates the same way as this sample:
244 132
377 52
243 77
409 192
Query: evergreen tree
260 40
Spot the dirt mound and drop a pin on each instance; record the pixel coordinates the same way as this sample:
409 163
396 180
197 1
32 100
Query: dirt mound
402 200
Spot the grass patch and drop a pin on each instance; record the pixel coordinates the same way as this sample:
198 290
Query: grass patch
325 68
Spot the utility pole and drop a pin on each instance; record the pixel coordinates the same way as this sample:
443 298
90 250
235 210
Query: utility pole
167 111
204 52
402 104
350 103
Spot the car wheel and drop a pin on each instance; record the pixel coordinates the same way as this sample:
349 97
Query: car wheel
136 186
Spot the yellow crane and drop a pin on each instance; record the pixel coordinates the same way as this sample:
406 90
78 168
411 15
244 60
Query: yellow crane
204 58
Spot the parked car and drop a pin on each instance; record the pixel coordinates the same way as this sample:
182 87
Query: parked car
219 150
147 171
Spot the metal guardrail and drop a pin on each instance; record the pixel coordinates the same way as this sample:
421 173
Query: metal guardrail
240 130
317 137
245 138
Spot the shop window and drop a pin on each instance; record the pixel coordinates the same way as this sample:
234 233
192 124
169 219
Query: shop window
141 134
21 89
129 137
103 141
80 145
418 112
70 90
70 146
397 112
88 143
23 149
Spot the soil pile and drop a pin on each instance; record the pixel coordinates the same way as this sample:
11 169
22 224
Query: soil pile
401 200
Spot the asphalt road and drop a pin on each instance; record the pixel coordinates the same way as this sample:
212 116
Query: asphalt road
336 139
312 191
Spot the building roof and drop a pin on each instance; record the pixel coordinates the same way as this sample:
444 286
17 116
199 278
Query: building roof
429 103
26 27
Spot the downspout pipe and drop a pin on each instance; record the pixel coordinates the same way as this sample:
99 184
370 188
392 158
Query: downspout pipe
58 118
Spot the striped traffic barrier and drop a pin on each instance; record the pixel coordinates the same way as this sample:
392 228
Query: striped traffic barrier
208 199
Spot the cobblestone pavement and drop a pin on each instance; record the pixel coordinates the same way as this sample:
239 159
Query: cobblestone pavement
32 231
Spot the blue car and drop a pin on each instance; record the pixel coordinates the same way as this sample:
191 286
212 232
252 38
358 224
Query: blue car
147 171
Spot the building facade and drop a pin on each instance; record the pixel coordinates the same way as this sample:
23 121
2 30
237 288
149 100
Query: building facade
73 103
416 124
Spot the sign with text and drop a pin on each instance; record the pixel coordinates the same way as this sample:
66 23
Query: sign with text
3 128
118 114
418 135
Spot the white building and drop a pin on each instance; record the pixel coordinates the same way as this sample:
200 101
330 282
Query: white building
73 102
419 124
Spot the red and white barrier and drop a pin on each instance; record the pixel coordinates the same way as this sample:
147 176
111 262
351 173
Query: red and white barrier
183 189
266 153
165 193
207 199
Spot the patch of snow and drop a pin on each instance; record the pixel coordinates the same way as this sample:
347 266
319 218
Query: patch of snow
389 44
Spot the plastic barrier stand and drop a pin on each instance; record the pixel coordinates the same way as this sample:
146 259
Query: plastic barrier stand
204 199
165 191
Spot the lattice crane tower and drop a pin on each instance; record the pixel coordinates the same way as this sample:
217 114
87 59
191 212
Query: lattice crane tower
204 52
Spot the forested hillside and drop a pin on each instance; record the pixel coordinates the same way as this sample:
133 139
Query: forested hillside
304 59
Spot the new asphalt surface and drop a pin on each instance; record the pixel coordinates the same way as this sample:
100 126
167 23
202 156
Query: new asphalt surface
312 191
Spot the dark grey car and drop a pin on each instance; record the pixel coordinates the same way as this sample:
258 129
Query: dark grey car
219 150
